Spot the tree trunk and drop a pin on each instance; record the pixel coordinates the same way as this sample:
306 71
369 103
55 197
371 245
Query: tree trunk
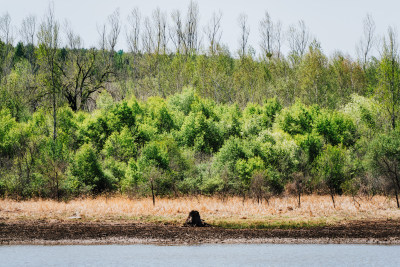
152 192
299 198
333 200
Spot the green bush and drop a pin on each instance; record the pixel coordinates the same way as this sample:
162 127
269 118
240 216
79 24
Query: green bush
87 174
298 119
121 145
336 128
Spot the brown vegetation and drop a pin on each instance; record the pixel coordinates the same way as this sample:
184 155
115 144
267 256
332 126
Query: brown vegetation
231 212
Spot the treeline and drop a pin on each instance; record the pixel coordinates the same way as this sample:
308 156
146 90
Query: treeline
50 66
77 121
190 145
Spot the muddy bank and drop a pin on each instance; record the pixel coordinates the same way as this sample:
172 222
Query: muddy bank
48 233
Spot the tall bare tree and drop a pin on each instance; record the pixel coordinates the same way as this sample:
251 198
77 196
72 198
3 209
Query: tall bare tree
192 25
299 38
244 34
185 34
6 36
28 30
6 31
278 38
176 32
115 29
213 32
148 36
267 34
133 31
367 41
74 41
160 28
102 31
49 41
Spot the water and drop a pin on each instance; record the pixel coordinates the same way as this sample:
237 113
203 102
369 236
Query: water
202 255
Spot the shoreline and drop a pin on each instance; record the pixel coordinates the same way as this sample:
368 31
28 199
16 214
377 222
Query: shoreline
158 242
36 232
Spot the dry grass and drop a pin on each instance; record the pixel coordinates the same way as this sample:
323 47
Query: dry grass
280 212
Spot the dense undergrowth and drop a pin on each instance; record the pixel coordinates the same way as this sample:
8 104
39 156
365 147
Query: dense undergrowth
186 144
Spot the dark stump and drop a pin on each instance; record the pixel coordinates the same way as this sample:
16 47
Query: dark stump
194 219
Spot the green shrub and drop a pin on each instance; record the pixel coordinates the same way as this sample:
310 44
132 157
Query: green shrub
87 173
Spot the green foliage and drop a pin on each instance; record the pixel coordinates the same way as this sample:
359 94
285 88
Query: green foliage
333 166
201 133
298 119
87 174
337 128
8 139
383 158
121 145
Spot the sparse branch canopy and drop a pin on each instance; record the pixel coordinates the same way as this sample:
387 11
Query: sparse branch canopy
101 29
185 35
48 39
133 30
28 30
192 25
244 34
299 38
389 89
147 36
267 35
176 31
367 41
213 32
278 38
6 33
160 27
115 29
270 35
73 40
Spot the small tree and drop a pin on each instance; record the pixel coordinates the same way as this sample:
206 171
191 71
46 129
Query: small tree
333 168
87 172
384 158
259 186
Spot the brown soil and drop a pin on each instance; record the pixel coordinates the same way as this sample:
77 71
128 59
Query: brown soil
59 232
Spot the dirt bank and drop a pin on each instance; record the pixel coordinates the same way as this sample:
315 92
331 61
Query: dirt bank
62 232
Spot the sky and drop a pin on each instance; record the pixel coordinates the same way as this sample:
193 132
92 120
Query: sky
336 24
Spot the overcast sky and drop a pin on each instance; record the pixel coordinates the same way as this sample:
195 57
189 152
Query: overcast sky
336 24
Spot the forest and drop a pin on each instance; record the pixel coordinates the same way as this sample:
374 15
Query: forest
179 114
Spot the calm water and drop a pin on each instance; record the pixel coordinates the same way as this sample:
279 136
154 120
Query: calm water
203 255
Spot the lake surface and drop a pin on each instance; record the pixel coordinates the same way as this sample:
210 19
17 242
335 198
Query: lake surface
202 255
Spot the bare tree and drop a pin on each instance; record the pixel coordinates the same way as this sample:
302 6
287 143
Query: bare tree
185 36
102 29
278 38
160 26
192 24
133 30
147 36
74 41
267 33
115 29
244 34
6 36
213 32
6 32
299 38
367 41
176 32
28 30
48 38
